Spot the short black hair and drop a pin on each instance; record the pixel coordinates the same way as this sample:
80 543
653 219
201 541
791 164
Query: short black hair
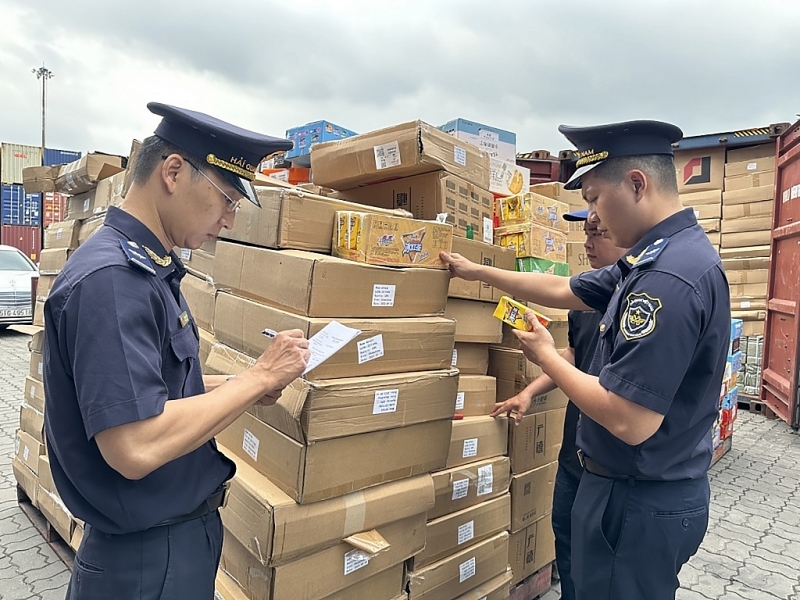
660 168
151 153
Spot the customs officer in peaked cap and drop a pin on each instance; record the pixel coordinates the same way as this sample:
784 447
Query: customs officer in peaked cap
130 418
651 395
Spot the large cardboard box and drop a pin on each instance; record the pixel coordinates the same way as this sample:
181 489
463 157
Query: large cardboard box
749 290
28 450
391 241
753 159
576 258
497 588
27 480
475 322
56 513
476 395
201 297
763 193
396 345
745 252
497 143
531 548
290 219
323 286
700 170
532 495
468 206
471 359
461 572
52 261
207 342
710 225
34 391
460 487
514 373
532 208
749 308
745 182
400 151
760 223
536 441
31 421
335 467
199 263
703 198
477 438
277 530
310 412
326 574
533 240
83 174
746 276
451 533
746 239
62 235
39 179
507 177
36 366
744 211
90 226
745 264
482 254
92 202
555 190
707 211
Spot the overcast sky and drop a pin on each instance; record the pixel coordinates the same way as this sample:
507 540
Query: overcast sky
708 66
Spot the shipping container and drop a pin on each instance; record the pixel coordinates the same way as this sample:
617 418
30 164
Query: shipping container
59 157
27 239
54 208
780 387
19 208
14 158
543 166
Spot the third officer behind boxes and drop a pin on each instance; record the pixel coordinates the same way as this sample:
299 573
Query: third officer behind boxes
130 418
652 394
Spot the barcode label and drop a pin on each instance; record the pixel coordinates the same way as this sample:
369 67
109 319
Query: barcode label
488 230
387 156
460 488
485 480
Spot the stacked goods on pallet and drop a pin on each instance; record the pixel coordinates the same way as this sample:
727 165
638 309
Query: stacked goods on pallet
722 430
752 349
700 176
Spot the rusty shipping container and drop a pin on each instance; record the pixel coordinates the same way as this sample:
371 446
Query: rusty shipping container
54 208
26 238
14 158
780 387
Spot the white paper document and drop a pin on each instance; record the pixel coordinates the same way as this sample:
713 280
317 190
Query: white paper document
328 341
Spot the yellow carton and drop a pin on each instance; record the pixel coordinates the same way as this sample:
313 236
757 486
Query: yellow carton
391 241
533 208
513 312
532 239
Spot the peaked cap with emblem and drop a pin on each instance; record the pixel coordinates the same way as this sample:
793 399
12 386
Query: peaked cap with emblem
233 151
632 138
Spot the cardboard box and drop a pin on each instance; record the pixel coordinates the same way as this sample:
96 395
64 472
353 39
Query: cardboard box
28 450
400 151
313 133
207 342
749 167
507 177
56 513
707 211
311 412
310 473
132 156
699 170
471 359
461 572
703 198
27 480
460 487
332 573
34 391
532 208
484 254
555 190
709 225
497 588
43 287
277 530
391 241
87 204
198 262
749 276
749 290
760 223
749 308
31 421
89 227
745 264
533 240
451 533
62 235
396 345
475 322
536 441
746 238
763 193
541 265
83 174
762 251
52 261
514 373
477 438
116 184
714 239
201 297
290 219
36 366
476 395
744 211
497 143
46 475
532 495
39 179
38 313
744 182
467 206
753 327
577 259
576 231
322 286
531 548
36 343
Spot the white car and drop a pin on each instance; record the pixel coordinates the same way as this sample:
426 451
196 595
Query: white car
16 273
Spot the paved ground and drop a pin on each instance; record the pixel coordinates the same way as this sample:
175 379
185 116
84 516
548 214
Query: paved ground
751 551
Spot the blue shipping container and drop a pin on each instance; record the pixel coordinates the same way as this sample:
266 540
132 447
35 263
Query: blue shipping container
313 133
59 157
19 208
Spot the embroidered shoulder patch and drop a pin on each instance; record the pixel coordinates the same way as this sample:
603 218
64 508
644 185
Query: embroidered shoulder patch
649 254
639 317
136 257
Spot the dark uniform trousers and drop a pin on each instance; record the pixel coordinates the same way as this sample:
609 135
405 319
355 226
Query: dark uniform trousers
630 538
171 562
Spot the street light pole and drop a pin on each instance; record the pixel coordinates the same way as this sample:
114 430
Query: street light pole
44 74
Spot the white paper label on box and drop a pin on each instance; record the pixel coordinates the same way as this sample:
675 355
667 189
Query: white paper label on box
387 156
370 349
218 596
41 364
33 391
470 448
466 532
745 304
282 175
250 444
460 488
383 295
16 445
86 204
460 401
186 253
58 233
455 357
485 134
488 230
460 156
25 453
696 214
466 570
385 401
485 480
354 560
752 166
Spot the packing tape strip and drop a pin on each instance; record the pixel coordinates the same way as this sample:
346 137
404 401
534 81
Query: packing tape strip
355 513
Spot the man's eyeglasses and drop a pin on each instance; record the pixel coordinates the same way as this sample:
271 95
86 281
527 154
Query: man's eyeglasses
233 205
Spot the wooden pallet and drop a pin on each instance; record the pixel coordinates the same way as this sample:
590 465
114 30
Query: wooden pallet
534 585
756 406
45 529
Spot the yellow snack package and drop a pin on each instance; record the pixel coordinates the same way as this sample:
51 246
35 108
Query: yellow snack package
513 312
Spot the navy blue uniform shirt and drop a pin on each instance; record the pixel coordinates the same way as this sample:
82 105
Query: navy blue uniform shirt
663 345
120 343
